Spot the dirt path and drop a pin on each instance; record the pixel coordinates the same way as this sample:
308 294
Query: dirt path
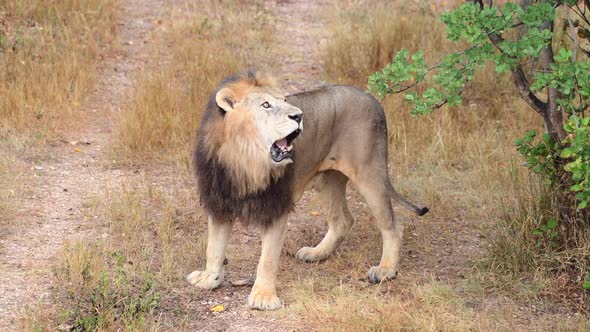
69 172
301 33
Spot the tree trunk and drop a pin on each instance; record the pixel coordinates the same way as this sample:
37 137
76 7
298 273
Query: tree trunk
553 116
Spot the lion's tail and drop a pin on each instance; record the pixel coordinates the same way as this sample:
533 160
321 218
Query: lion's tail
397 197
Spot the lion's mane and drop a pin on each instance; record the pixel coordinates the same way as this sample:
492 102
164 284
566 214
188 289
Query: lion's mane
221 193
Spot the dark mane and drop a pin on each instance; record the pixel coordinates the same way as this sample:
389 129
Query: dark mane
218 194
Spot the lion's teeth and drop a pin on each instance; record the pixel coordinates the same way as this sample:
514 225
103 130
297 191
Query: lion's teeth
289 148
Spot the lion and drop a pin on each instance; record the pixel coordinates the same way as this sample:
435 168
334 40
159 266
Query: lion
254 159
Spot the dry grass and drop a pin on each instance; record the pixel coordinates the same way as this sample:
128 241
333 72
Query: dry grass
48 53
432 306
168 103
428 307
7 205
126 278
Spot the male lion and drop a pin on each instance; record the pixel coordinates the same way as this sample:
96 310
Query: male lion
253 161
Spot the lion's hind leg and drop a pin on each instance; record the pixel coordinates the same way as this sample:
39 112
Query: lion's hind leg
217 239
375 194
332 191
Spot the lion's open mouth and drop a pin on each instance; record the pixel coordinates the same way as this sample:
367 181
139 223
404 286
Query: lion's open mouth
281 149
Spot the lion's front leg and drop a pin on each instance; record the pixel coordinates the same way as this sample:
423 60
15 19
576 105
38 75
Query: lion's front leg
218 236
264 293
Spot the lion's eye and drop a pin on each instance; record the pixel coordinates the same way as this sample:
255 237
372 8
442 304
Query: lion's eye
266 104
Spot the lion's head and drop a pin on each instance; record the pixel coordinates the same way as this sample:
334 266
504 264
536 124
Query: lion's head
250 131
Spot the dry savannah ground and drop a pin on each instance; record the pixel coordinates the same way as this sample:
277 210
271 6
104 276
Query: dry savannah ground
99 219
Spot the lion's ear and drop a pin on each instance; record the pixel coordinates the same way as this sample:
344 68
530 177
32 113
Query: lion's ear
225 99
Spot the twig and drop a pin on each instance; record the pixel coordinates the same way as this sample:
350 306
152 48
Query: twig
441 104
581 13
574 37
418 81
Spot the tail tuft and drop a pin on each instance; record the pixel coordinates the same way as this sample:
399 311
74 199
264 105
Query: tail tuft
423 211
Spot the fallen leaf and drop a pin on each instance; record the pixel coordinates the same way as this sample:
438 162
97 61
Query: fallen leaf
77 150
218 308
315 213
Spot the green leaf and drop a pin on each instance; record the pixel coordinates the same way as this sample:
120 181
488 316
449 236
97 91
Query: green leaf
563 55
502 68
551 223
567 153
547 139
411 96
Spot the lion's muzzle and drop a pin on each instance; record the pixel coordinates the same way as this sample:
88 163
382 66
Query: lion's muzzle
282 149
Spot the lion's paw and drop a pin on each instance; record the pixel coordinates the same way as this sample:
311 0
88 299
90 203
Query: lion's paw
378 274
309 255
205 279
264 300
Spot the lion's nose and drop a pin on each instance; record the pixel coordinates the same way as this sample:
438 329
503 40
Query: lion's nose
296 117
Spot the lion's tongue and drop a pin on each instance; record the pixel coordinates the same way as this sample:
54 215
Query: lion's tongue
282 143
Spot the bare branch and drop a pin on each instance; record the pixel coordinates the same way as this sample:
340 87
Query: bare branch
586 52
404 88
444 102
478 2
581 13
553 116
521 82
525 3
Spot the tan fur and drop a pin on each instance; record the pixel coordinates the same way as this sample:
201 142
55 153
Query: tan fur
264 294
243 153
236 139
218 237
345 139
